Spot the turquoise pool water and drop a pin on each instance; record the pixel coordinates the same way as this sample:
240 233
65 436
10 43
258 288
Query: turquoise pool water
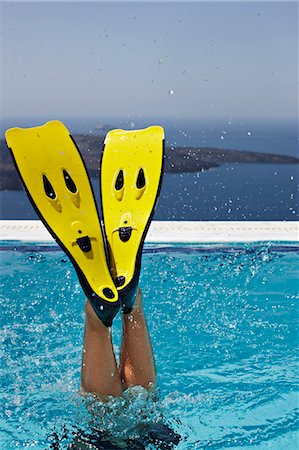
224 327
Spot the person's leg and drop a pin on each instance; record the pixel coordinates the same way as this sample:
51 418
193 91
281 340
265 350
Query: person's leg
99 374
137 365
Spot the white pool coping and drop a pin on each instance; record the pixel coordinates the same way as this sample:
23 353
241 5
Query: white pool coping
173 232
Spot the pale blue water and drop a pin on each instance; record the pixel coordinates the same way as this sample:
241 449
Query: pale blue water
224 328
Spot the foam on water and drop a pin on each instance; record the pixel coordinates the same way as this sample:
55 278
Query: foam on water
224 327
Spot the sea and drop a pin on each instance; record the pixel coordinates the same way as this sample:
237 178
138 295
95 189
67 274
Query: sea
230 192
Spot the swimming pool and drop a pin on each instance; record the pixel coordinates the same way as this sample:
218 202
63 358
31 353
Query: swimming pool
224 326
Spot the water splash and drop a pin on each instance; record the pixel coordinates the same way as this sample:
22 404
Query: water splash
224 329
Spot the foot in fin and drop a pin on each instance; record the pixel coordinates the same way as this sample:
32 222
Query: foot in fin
131 175
55 178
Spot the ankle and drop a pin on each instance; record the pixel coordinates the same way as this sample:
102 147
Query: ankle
92 319
136 316
138 301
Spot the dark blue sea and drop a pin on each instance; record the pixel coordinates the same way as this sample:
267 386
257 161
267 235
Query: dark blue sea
230 192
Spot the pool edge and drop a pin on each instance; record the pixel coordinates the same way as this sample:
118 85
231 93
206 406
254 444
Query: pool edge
173 232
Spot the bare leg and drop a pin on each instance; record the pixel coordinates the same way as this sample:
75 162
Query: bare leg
99 369
137 365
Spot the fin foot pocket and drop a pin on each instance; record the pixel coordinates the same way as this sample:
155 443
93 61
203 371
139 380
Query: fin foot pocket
105 313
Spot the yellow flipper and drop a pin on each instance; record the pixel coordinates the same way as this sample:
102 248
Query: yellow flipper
131 174
55 178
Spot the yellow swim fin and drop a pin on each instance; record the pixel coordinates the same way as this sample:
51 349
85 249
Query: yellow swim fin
131 175
55 178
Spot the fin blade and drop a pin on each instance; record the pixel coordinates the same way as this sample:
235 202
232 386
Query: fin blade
56 180
128 206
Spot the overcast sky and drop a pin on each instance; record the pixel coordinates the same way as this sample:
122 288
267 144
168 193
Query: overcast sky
173 59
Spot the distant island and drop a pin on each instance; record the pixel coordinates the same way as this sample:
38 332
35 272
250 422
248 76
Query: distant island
177 159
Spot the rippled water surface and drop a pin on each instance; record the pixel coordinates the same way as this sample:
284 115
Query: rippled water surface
224 327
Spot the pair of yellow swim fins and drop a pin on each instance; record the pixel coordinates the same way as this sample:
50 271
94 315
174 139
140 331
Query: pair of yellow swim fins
104 249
